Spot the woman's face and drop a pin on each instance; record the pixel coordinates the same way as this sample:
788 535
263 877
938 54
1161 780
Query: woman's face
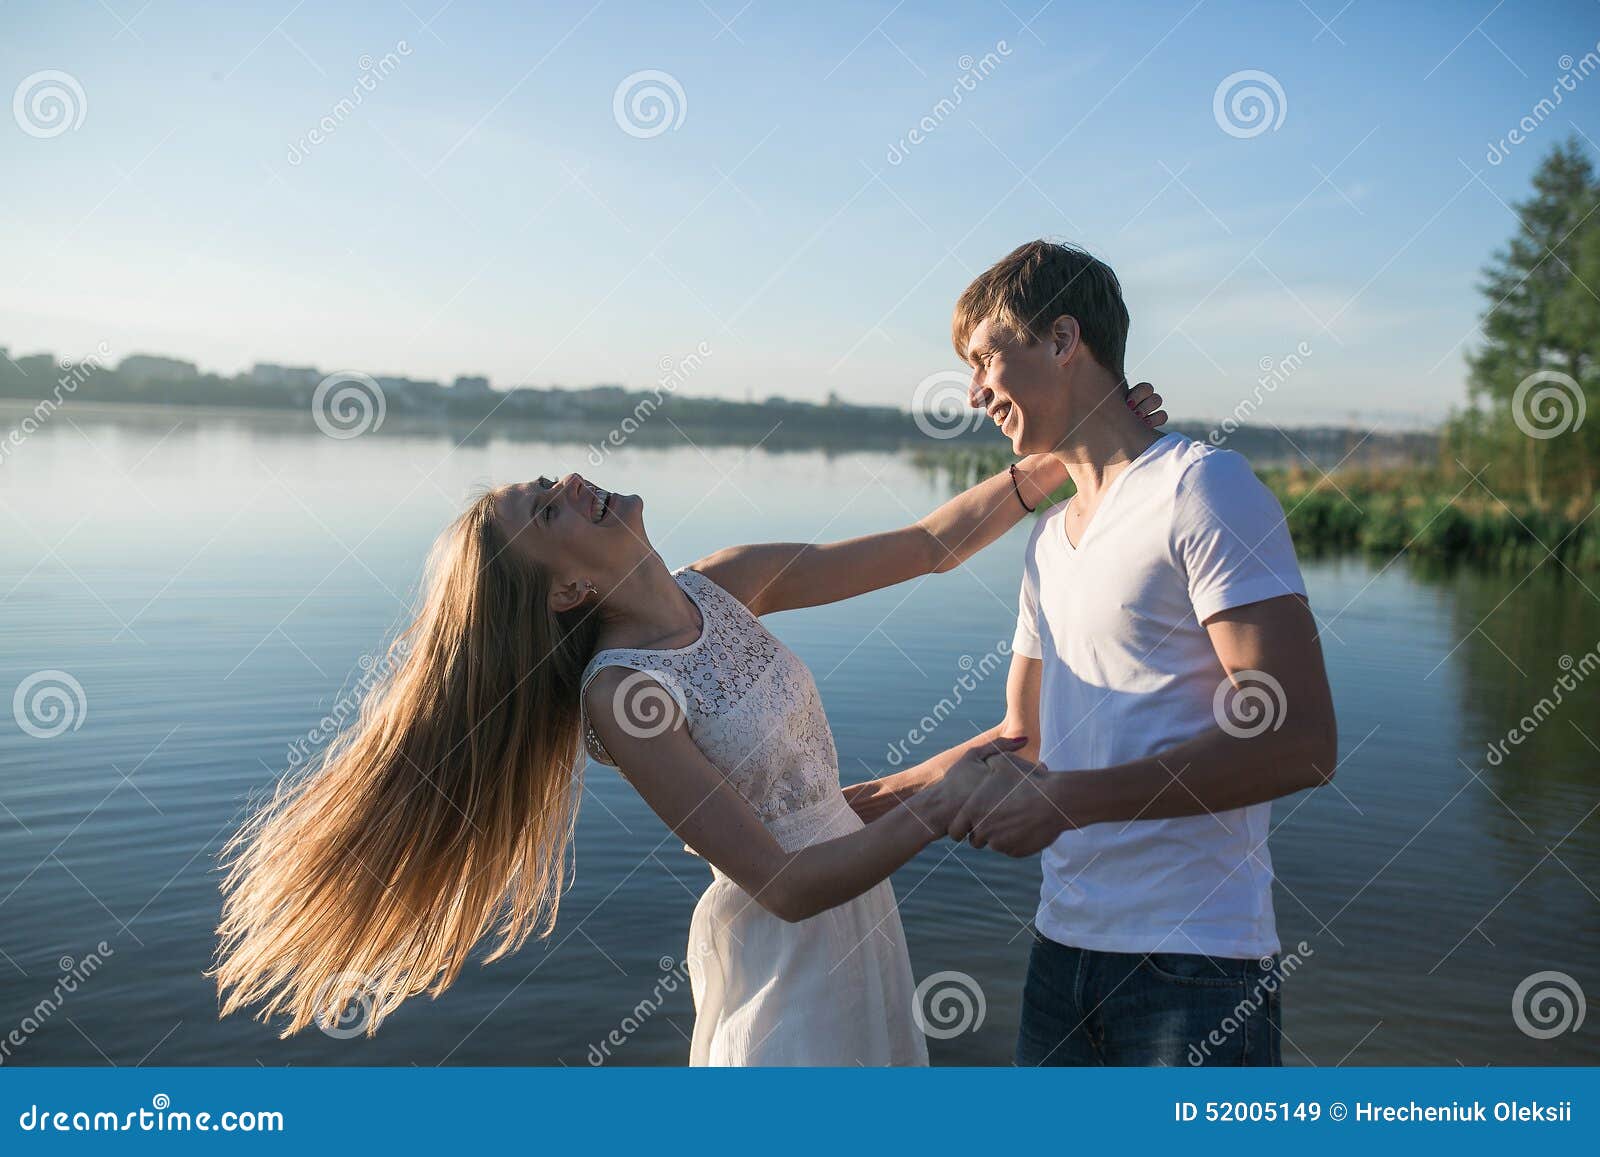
579 533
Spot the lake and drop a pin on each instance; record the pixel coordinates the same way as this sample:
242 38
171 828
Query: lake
214 581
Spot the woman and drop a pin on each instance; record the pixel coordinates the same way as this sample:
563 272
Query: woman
549 625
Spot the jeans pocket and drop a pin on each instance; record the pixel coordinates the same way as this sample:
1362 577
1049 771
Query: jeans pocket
1196 970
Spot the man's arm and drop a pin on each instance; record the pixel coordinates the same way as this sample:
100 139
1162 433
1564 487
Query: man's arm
876 797
1279 738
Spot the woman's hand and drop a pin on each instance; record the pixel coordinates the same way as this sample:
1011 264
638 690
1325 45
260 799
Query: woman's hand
948 791
1146 403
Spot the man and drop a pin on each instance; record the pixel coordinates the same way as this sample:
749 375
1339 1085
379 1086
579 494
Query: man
1166 684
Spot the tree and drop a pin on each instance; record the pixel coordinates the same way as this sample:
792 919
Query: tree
1543 318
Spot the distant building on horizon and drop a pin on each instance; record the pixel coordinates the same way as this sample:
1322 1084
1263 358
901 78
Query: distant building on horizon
139 369
468 384
403 385
272 374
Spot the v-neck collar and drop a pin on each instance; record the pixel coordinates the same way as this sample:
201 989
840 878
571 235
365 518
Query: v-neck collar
1105 499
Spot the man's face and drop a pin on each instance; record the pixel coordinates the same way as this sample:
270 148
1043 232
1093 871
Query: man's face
1022 385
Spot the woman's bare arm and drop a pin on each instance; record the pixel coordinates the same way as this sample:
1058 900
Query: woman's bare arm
781 576
691 796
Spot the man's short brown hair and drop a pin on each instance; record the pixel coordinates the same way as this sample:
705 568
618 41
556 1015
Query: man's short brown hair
1026 290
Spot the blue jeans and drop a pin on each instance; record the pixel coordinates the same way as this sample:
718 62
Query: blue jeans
1082 1007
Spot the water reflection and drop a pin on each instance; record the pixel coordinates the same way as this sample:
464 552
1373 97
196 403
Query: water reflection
212 583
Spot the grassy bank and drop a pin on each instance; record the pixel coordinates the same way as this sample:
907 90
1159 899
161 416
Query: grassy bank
1384 511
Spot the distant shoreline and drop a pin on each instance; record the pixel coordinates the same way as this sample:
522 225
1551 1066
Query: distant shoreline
674 425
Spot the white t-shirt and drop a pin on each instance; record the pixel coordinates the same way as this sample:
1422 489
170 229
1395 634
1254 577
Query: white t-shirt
1186 530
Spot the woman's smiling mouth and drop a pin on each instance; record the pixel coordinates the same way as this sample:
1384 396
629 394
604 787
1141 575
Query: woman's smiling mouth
599 508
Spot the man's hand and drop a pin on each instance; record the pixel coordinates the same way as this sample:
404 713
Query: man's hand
1012 809
876 797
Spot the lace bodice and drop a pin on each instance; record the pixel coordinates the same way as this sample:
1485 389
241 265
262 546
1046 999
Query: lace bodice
751 704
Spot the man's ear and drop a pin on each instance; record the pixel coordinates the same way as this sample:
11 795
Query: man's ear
568 596
1065 334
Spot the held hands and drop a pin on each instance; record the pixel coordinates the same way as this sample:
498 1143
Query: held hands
1007 803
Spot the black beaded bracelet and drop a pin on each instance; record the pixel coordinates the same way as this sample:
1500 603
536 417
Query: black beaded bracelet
1017 489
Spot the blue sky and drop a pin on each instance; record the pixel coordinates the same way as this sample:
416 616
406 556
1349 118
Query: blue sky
482 209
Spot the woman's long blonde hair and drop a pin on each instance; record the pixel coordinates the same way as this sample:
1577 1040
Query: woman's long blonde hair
450 803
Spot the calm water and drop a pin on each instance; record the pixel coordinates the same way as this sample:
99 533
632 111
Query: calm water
213 582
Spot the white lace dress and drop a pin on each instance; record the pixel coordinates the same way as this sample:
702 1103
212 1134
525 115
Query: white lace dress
835 989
